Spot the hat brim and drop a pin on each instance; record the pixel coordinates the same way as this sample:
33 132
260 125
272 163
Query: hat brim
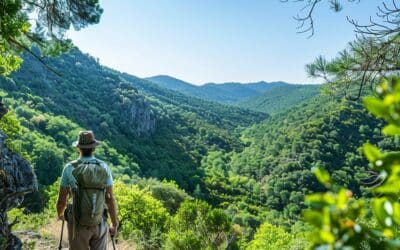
92 145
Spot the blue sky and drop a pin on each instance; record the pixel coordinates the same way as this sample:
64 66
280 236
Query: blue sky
215 40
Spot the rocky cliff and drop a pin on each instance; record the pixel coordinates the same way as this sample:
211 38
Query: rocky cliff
16 179
135 109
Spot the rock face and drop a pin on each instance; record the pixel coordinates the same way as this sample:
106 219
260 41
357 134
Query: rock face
136 110
16 179
140 116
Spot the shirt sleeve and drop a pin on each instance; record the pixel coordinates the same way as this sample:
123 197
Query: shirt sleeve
65 176
109 181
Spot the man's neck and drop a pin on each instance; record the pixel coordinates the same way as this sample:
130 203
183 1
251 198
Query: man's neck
86 156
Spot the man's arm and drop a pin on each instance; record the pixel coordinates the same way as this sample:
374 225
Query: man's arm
62 201
112 209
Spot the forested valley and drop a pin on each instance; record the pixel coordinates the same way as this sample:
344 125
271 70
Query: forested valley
181 163
219 166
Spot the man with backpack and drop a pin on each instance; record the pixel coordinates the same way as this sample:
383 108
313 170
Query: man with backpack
88 180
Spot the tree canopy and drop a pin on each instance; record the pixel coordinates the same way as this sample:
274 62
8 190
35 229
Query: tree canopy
24 23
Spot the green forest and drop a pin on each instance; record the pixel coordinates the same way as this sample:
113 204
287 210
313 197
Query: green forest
282 166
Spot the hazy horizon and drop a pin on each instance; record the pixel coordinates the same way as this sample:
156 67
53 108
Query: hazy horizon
202 84
215 41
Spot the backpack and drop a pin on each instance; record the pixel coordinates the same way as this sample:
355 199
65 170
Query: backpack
88 203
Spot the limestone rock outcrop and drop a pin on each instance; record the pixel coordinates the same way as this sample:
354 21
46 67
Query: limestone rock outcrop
136 110
16 179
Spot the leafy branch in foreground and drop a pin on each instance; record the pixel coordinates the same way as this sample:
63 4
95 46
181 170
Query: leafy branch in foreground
359 67
25 23
340 219
372 56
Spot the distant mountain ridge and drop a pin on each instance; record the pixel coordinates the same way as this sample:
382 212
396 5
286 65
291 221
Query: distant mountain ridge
266 97
227 93
160 132
281 98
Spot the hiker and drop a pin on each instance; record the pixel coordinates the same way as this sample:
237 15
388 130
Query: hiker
88 180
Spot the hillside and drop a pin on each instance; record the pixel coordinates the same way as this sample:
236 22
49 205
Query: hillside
217 166
280 98
282 150
164 132
244 167
172 83
227 93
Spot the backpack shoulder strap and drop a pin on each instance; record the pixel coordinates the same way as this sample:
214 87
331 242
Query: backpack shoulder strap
75 163
98 162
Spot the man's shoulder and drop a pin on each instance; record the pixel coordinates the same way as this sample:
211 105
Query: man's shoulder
102 163
109 181
71 163
92 160
86 160
68 165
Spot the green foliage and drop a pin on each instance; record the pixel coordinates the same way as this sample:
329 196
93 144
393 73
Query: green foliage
352 73
274 170
257 174
14 24
48 137
386 105
52 194
48 162
271 237
227 93
141 216
104 101
200 225
338 217
322 176
26 220
42 23
336 214
167 192
280 98
45 139
185 240
50 112
9 62
10 125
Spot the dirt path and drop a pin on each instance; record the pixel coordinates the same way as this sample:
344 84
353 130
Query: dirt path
48 237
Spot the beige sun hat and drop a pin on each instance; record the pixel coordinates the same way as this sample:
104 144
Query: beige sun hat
86 140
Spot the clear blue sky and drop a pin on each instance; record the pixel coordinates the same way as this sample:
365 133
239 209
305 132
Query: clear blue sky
215 40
